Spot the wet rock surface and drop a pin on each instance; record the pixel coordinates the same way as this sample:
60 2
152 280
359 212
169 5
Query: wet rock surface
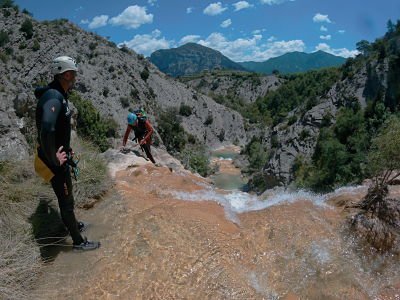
156 245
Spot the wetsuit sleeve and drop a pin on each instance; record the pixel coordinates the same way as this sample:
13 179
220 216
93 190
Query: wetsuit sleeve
127 132
149 131
51 110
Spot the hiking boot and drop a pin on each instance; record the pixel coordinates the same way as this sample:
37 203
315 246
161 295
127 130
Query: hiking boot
87 245
82 226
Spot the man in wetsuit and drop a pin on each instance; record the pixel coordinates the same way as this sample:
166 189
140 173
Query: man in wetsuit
143 131
53 122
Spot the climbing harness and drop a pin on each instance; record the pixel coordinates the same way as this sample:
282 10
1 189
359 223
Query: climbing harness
73 163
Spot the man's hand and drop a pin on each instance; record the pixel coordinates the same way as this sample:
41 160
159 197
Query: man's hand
142 142
61 156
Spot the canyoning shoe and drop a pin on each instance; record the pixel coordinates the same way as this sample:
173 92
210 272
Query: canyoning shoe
87 245
82 226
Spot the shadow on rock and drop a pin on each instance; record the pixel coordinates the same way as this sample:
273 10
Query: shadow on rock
48 230
378 222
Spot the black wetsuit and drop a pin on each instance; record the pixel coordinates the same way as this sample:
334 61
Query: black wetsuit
53 122
140 132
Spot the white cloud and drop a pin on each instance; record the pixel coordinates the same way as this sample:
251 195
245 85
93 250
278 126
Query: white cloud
98 21
250 49
189 10
344 52
226 23
148 43
271 38
132 17
189 39
258 31
341 31
277 48
272 2
318 18
214 9
323 28
85 21
241 5
325 37
151 2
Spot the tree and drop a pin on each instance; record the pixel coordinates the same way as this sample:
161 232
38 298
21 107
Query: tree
4 39
145 74
383 162
364 47
6 3
27 28
390 27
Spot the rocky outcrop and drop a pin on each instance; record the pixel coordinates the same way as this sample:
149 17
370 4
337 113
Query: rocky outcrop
379 224
299 139
111 78
13 145
236 85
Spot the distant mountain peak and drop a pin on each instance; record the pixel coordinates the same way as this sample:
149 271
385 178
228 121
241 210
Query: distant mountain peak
294 62
191 58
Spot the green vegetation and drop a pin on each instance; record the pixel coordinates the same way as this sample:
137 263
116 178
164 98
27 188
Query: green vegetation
93 181
256 153
27 28
209 120
344 141
340 154
26 12
301 90
383 164
106 91
343 154
4 39
145 74
185 110
8 4
124 102
384 157
171 131
92 125
3 57
92 46
125 49
36 45
185 147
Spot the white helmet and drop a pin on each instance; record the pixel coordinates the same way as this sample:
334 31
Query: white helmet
62 64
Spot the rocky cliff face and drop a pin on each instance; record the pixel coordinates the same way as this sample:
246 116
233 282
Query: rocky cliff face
300 138
111 78
245 86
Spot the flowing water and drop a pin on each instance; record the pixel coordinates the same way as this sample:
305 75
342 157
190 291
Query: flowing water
172 235
227 177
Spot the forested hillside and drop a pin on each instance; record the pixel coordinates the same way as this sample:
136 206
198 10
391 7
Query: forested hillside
295 62
191 58
322 122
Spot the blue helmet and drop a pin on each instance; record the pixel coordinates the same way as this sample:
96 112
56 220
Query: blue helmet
132 118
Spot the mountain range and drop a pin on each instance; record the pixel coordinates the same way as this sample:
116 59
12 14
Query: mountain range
193 58
295 62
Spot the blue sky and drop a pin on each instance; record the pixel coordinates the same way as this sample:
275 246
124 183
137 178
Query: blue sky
242 30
